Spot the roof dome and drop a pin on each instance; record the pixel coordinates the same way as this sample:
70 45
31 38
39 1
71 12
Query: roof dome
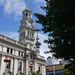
49 57
26 10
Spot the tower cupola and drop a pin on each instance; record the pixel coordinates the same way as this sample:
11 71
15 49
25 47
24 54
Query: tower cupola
27 14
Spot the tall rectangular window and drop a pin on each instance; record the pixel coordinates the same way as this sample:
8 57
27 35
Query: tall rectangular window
20 66
22 54
7 50
11 51
18 53
32 34
28 33
39 69
0 48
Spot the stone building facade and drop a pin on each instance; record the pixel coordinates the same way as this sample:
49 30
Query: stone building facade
20 57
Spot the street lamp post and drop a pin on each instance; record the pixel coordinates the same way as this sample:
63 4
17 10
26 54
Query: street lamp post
53 65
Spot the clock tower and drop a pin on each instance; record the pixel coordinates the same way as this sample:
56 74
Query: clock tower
26 30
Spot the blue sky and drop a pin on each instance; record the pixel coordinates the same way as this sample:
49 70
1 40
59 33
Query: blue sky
11 14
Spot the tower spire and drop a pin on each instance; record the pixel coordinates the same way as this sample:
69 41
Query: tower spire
38 44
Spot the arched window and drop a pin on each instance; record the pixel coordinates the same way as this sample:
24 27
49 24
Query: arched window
29 14
8 65
20 66
32 35
26 14
28 33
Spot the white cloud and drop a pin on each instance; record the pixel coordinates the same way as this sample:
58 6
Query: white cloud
12 35
39 0
44 46
13 6
2 2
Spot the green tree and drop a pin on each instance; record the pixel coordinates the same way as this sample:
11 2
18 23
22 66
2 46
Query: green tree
67 70
59 23
36 73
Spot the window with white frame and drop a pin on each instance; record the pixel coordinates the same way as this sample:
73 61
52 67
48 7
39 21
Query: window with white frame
39 68
9 50
19 53
19 65
28 33
0 48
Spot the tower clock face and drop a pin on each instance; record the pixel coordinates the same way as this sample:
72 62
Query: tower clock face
28 23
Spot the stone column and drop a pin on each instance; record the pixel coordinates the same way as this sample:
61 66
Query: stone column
43 69
15 66
26 66
0 62
35 66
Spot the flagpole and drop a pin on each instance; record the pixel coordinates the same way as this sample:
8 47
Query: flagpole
53 64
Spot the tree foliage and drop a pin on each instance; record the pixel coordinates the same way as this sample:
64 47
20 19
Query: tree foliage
67 70
59 23
36 73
